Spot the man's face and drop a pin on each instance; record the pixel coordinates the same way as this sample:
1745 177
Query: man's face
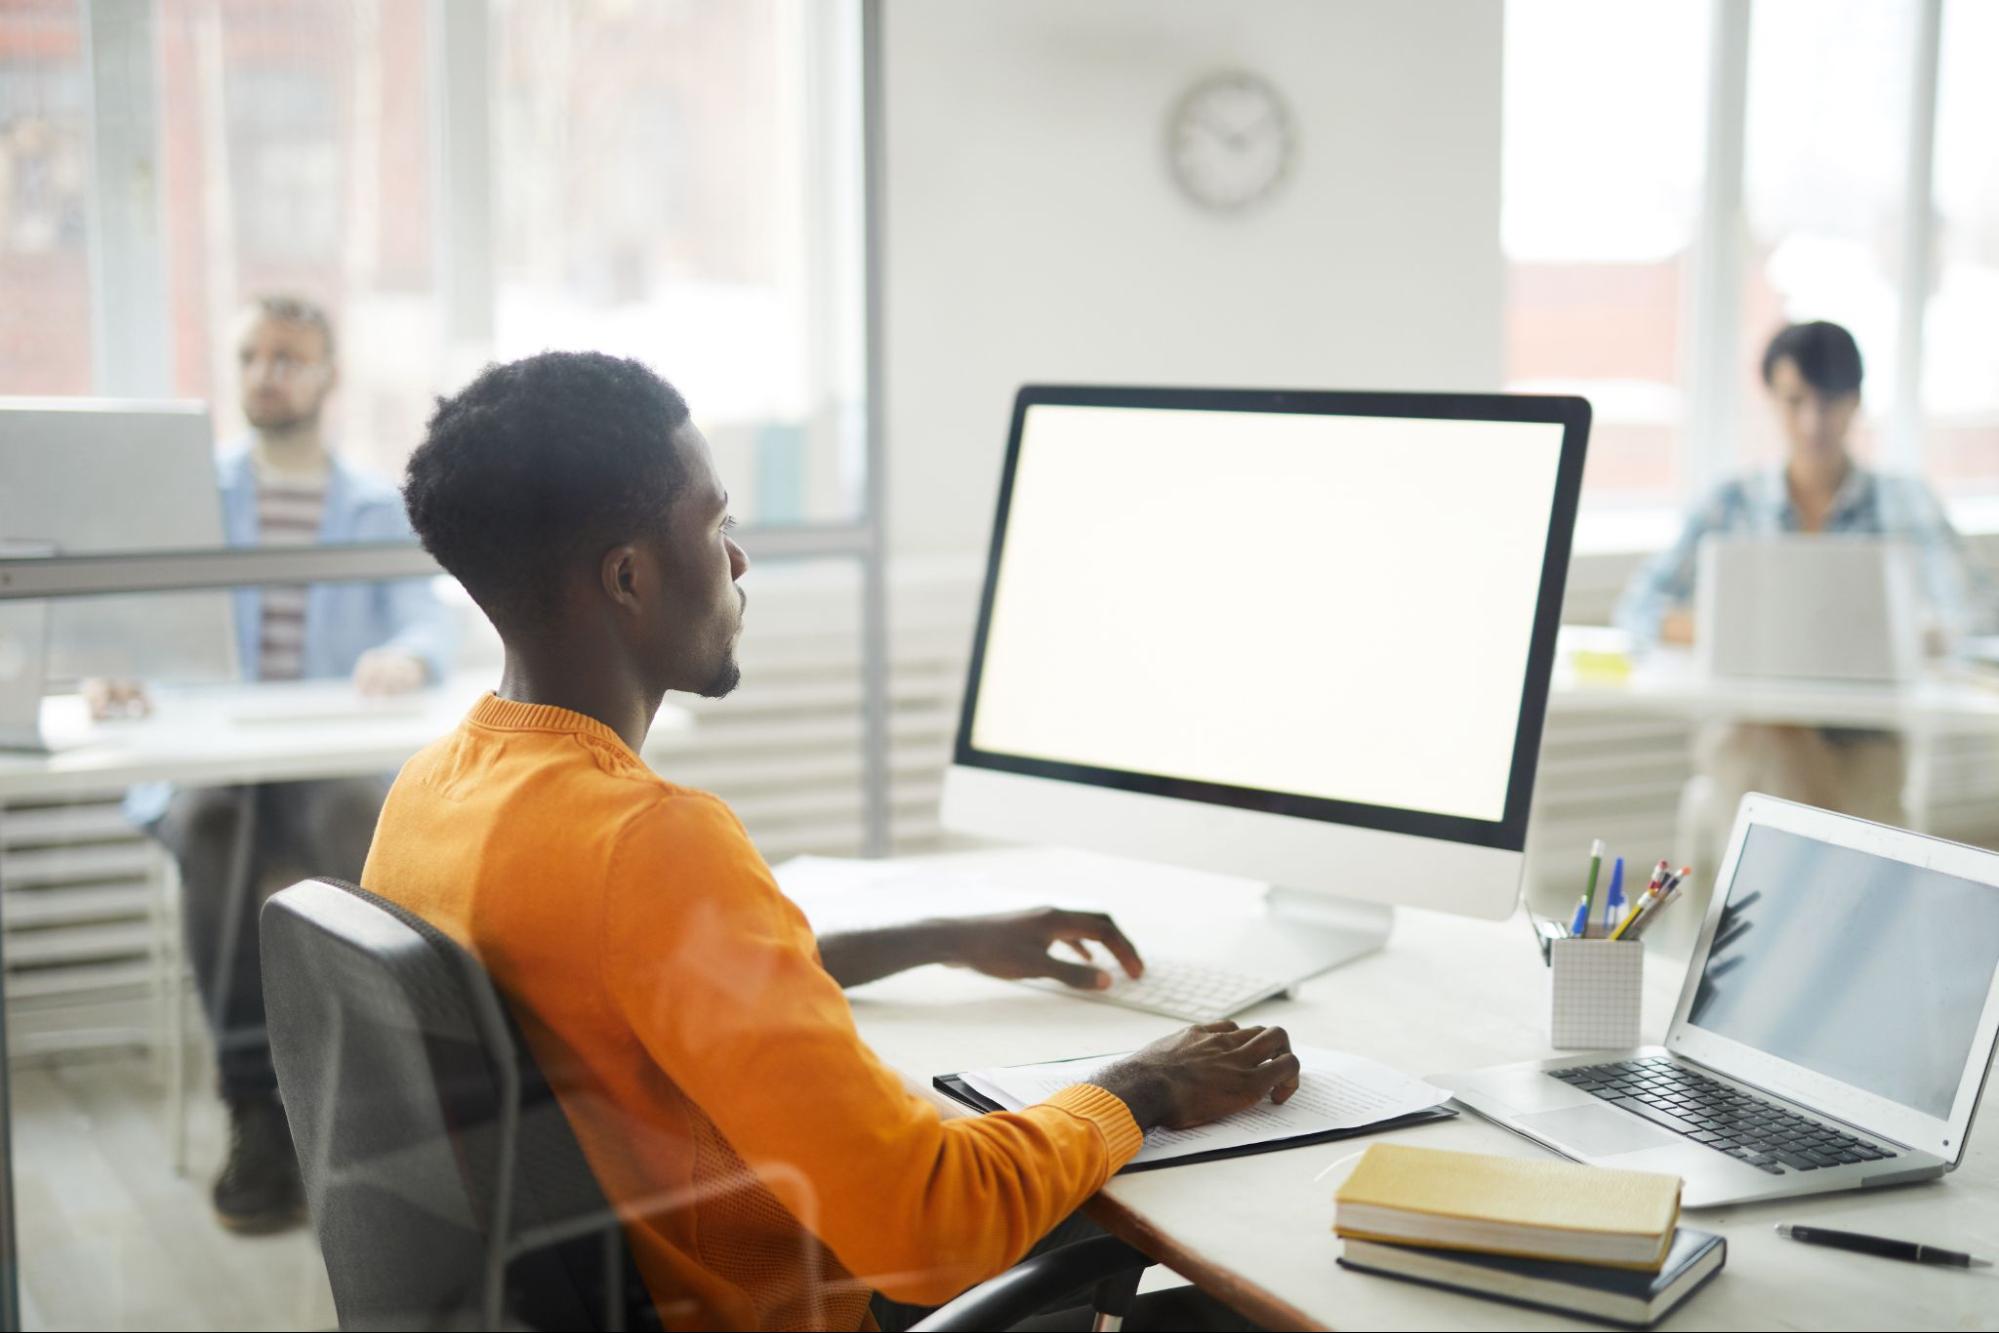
1815 426
694 640
286 373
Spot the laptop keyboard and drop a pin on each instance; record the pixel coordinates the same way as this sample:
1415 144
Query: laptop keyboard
1720 1116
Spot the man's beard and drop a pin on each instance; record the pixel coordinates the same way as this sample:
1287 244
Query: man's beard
730 673
279 421
725 680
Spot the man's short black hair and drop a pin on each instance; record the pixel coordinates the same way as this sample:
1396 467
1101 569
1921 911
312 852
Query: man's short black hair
291 308
1824 353
536 462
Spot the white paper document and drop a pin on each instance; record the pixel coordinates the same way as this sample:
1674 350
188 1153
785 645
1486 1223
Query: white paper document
1335 1091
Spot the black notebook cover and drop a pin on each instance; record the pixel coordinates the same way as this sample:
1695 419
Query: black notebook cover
1689 1248
955 1087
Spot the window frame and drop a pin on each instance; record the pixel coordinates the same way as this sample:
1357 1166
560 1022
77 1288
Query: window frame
1713 330
129 293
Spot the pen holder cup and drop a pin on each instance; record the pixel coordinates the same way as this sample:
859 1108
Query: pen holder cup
1595 993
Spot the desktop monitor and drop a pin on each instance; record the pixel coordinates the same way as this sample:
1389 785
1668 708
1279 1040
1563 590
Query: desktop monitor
1299 637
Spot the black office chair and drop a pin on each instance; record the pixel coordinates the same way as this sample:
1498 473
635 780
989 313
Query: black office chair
1103 1269
444 1182
442 1177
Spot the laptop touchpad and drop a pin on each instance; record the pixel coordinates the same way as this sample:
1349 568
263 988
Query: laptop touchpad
1597 1131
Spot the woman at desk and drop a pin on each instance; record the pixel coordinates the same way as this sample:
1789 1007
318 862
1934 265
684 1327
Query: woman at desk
1813 373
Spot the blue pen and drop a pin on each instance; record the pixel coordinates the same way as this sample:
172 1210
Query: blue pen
1580 926
1613 903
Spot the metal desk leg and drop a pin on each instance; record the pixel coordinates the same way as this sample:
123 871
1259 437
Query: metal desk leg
240 867
157 916
10 1258
176 1016
1919 788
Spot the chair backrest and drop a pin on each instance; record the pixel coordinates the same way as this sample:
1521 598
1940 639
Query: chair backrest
444 1182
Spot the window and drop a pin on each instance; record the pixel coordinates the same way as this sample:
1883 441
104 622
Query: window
297 157
44 192
1601 187
1960 377
1611 111
680 184
1824 183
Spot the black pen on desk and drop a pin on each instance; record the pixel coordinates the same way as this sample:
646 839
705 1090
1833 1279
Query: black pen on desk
1880 1246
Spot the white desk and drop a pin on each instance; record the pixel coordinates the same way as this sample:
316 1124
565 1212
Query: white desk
1445 994
1667 683
268 732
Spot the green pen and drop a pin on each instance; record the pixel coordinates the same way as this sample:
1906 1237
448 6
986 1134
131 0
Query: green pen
1589 894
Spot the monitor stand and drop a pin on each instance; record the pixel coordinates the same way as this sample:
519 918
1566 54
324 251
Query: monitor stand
1296 934
1339 929
1300 934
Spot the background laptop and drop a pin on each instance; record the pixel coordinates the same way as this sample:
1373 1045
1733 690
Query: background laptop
1808 607
1835 1029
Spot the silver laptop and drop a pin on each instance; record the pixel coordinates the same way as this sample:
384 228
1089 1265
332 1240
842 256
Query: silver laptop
1835 1029
1838 608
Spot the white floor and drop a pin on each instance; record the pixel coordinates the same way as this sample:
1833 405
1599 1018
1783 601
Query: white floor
111 1238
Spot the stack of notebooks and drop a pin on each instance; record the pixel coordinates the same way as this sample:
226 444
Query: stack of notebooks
1581 1240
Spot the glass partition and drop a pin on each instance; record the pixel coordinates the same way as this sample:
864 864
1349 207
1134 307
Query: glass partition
677 183
45 177
125 912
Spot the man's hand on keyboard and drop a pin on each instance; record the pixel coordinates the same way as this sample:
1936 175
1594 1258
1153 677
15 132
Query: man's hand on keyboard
1015 946
1201 1074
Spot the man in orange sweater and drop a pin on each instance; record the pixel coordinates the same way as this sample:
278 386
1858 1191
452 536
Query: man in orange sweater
772 1171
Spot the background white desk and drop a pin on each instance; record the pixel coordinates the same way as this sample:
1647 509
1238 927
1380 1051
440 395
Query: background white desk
1668 683
1947 718
1445 994
287 731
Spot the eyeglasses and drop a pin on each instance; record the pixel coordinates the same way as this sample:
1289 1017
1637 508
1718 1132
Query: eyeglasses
282 366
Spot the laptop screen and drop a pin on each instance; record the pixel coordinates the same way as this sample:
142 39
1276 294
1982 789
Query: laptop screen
1859 967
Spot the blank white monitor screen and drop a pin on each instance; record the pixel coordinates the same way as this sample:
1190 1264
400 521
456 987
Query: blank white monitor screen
1332 606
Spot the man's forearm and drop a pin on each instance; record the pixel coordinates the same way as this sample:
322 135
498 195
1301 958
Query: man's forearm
857 957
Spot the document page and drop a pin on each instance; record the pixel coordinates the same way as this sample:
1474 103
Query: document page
1335 1091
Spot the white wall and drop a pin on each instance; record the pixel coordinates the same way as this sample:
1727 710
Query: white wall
1033 231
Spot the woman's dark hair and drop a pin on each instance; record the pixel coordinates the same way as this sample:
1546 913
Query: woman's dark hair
1824 353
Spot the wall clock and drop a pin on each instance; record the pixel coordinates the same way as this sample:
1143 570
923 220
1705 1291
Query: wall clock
1230 141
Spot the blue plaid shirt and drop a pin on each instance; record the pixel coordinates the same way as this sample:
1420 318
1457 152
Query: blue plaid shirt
1868 504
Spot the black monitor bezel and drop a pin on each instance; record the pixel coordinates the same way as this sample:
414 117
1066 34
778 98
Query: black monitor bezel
1509 832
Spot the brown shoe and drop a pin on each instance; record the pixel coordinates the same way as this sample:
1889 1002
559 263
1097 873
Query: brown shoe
259 1189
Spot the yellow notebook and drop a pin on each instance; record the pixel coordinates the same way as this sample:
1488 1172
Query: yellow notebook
1507 1205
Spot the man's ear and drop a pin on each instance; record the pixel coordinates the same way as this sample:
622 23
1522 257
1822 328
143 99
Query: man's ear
619 573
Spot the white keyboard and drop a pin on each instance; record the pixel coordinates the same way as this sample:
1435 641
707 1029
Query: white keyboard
1179 988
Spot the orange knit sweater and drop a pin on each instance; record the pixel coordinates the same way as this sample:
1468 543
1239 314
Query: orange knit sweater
771 1170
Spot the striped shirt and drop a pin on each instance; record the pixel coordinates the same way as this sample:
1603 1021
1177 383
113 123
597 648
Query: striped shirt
289 513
